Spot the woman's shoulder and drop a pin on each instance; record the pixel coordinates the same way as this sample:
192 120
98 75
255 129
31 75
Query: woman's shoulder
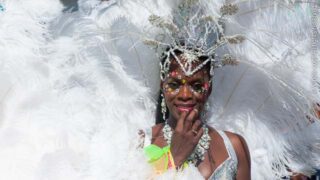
157 135
157 129
237 140
238 143
233 137
150 135
240 146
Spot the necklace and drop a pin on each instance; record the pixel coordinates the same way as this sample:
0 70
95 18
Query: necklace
201 148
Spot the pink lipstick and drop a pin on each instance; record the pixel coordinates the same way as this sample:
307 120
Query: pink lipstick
185 107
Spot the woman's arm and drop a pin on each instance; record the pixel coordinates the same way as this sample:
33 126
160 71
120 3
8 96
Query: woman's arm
243 155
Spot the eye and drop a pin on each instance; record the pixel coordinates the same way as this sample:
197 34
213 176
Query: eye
198 87
173 85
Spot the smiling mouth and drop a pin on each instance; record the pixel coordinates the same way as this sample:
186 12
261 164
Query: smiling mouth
185 107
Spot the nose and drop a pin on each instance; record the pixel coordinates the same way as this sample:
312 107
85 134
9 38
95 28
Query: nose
185 93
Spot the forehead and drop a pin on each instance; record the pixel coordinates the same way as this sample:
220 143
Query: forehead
176 71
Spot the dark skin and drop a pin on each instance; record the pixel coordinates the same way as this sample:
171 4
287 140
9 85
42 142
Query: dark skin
317 110
185 102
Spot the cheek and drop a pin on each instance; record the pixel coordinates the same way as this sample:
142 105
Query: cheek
168 98
202 100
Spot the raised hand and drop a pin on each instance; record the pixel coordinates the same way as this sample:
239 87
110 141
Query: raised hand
185 136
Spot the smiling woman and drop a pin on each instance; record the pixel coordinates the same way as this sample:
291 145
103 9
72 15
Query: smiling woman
184 133
185 93
186 70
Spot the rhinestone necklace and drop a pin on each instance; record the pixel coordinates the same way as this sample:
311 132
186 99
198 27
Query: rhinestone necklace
201 148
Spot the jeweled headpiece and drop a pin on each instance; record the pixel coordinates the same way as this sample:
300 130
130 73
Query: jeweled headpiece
193 34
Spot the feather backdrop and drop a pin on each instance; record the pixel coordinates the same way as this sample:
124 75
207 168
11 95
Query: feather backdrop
76 87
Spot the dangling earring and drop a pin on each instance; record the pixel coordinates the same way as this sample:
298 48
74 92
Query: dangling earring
163 108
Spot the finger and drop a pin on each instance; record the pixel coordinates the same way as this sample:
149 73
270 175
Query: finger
190 119
198 136
180 123
196 125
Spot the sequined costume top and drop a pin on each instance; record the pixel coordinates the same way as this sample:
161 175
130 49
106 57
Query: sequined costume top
228 169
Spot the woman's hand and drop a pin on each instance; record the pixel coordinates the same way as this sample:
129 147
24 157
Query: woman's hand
185 136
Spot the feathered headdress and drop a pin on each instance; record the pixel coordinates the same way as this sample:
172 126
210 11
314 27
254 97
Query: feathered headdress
194 33
83 101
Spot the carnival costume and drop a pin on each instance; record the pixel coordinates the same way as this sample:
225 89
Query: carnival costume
77 87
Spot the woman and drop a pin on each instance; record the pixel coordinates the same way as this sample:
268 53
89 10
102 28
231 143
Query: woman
224 154
191 37
82 132
187 68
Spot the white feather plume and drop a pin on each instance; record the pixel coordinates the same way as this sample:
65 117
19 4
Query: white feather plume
77 87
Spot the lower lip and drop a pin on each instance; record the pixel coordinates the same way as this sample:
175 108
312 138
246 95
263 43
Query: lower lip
185 109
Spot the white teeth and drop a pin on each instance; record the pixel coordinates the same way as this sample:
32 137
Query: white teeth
185 109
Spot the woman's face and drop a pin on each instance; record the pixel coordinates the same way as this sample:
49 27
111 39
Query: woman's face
183 93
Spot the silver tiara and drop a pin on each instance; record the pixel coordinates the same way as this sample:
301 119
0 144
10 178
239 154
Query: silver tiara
193 33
